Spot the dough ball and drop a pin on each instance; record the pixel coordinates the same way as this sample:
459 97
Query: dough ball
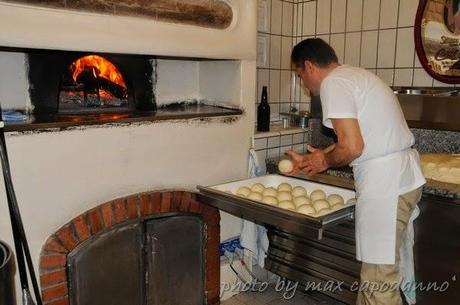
317 195
270 192
299 191
323 212
270 200
298 201
336 206
286 204
334 199
320 204
352 201
306 209
284 187
283 196
285 166
243 191
255 196
258 187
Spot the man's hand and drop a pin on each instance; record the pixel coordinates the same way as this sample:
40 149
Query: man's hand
309 164
350 145
314 163
296 159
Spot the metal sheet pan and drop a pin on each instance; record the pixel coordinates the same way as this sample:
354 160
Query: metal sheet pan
293 222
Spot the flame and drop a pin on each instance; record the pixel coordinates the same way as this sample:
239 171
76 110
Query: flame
100 66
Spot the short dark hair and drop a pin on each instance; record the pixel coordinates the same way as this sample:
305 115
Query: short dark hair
315 50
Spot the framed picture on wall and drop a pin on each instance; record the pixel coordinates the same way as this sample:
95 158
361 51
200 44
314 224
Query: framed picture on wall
437 38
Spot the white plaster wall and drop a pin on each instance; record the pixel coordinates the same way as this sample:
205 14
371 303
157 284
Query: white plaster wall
177 80
35 27
216 81
14 85
219 82
58 175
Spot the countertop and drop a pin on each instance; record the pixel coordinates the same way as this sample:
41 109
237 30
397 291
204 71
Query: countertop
173 112
344 178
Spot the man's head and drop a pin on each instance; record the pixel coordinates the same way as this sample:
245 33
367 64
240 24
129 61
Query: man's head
313 59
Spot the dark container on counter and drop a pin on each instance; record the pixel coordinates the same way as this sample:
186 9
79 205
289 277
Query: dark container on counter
7 293
263 112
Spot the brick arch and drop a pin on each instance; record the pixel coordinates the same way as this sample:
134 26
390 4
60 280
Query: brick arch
53 257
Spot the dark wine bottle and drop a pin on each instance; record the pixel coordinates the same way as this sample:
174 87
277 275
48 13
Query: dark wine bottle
263 112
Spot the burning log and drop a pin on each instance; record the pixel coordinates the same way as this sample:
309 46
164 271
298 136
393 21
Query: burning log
92 82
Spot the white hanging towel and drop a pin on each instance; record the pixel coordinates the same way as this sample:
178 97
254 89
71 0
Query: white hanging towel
254 237
406 263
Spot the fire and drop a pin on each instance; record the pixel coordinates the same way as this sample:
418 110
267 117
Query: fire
100 67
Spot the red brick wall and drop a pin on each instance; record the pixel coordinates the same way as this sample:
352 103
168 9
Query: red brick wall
53 258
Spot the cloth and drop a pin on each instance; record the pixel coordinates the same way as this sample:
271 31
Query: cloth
378 183
13 116
254 237
379 283
406 261
387 166
349 92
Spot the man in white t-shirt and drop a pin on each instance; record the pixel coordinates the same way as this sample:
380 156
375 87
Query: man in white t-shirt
372 137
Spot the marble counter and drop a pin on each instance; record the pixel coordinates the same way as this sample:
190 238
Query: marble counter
344 178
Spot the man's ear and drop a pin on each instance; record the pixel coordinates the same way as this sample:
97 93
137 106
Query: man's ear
308 65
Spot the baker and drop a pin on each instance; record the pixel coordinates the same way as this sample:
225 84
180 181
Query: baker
373 138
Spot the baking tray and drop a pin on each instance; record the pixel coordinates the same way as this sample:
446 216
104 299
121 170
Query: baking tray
291 221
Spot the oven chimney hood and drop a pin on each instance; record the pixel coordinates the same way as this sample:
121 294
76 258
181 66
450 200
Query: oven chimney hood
26 26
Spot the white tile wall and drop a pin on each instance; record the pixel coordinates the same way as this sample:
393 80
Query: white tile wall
263 80
276 17
403 77
286 48
354 15
308 20
386 75
352 49
274 87
389 13
282 27
338 43
373 34
407 12
368 49
386 49
277 143
285 94
323 17
371 14
287 21
275 52
338 11
421 78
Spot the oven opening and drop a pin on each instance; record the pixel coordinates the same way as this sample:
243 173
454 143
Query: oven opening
92 81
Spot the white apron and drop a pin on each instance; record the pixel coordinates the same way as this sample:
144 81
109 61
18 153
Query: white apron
379 182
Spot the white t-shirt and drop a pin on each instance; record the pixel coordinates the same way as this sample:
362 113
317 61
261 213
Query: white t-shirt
350 92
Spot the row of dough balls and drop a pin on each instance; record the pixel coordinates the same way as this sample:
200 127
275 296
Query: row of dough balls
294 199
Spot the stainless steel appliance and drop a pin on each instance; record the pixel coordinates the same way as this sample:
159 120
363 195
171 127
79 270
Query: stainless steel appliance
431 108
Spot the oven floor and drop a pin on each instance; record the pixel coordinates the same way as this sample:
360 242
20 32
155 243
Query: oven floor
272 297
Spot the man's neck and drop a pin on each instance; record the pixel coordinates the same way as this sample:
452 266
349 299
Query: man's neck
327 70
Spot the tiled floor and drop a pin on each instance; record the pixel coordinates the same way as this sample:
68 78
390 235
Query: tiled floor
272 297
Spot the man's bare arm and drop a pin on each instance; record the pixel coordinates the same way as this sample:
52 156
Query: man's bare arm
349 146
